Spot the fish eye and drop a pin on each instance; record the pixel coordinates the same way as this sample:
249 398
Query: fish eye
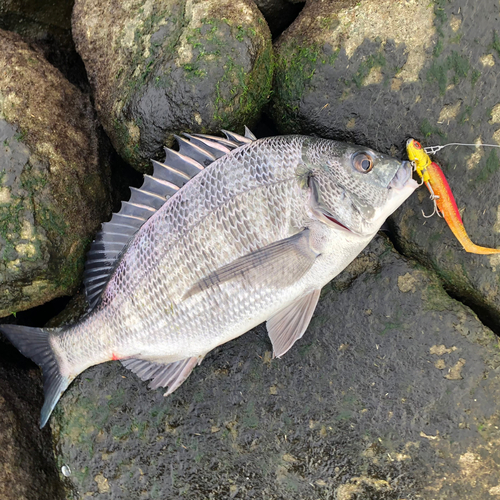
362 162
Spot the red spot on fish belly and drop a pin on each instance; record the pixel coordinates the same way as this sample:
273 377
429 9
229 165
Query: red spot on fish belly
114 357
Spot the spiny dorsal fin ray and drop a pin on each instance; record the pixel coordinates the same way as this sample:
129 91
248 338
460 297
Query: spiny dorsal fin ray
142 197
195 153
249 135
216 149
239 139
182 162
220 140
193 150
170 178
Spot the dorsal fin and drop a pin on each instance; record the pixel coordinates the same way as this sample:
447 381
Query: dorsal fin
195 153
249 134
214 147
193 150
219 140
237 138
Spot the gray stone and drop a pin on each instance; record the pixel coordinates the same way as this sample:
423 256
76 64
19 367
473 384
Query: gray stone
53 192
377 72
392 393
27 465
165 67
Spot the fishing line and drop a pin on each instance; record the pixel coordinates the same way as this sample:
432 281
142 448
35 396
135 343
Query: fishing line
432 150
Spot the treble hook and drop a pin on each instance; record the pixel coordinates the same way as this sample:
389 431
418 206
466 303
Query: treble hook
433 197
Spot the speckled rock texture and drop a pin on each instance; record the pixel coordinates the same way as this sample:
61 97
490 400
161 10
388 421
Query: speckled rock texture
46 26
27 466
377 72
394 392
160 68
37 19
53 192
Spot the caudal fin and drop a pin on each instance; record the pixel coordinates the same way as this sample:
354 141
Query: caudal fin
34 344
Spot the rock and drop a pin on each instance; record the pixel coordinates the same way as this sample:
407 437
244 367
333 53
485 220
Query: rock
357 409
47 27
279 13
53 192
376 72
27 465
166 67
342 62
37 20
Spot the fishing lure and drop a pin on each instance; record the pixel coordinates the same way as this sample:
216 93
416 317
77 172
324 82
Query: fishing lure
444 202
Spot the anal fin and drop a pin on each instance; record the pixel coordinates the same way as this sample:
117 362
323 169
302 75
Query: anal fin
170 375
288 325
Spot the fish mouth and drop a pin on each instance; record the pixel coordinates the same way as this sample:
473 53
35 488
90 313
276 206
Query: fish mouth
403 177
335 221
324 215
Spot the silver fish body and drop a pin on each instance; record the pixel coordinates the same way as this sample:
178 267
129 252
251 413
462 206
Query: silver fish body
251 238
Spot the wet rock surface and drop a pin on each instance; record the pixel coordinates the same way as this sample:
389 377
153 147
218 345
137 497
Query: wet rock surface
162 68
379 72
46 26
27 466
394 387
53 191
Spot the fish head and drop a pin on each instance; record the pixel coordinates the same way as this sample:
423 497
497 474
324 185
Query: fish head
354 188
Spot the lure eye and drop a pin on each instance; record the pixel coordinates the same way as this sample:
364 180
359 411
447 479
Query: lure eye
417 145
362 162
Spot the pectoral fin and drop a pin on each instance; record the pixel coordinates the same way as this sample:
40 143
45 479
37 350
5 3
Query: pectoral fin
279 264
288 326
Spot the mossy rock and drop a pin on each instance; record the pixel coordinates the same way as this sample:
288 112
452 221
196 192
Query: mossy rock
36 20
166 67
53 192
376 72
342 61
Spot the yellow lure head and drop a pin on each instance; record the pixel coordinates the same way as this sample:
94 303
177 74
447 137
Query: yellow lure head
417 155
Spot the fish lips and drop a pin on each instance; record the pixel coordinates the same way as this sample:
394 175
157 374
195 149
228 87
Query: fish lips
403 177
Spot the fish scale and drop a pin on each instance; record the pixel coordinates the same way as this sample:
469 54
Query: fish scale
183 214
252 237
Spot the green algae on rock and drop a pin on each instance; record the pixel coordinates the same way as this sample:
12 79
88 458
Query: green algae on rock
53 192
166 67
338 56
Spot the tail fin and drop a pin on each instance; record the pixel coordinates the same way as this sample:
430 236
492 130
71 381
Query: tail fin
34 343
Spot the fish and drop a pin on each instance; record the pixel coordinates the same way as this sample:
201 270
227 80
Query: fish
445 204
229 232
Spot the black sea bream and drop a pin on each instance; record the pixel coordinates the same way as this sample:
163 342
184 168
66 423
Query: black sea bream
250 231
